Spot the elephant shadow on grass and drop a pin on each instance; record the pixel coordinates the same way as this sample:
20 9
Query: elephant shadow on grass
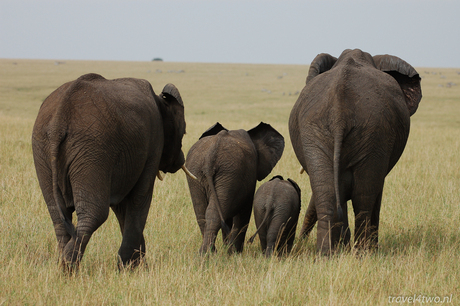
430 236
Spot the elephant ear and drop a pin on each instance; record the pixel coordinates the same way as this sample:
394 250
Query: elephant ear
172 112
269 145
171 92
277 177
322 63
406 76
213 130
296 187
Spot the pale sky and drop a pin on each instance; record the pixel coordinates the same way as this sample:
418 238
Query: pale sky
425 33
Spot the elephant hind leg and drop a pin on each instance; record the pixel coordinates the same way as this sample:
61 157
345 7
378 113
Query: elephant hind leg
73 252
276 239
212 227
367 221
375 220
310 220
91 202
132 213
63 237
290 234
342 227
200 203
263 237
226 236
45 179
240 227
209 238
285 237
76 246
132 222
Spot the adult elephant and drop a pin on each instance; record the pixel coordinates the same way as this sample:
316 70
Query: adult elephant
97 144
348 129
276 212
227 165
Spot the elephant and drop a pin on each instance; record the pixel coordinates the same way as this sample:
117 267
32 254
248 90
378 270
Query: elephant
277 206
99 143
227 164
348 129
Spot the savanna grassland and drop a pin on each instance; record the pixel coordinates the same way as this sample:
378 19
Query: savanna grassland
419 254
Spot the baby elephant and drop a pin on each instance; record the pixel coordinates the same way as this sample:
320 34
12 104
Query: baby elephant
276 211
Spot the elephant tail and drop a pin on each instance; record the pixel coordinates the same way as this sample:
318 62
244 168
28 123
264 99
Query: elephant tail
268 213
57 193
338 138
212 188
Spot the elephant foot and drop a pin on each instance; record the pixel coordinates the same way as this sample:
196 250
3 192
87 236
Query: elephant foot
131 265
366 247
132 261
268 252
232 249
68 268
206 250
305 231
71 258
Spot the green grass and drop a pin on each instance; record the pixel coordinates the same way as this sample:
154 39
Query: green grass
419 229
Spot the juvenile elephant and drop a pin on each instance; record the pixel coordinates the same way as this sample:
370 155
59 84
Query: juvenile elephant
227 165
276 212
348 129
97 144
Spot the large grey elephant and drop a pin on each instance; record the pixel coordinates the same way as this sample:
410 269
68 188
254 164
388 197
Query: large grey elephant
227 165
97 144
348 129
276 212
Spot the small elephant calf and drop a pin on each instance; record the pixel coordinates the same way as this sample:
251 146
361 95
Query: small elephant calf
276 212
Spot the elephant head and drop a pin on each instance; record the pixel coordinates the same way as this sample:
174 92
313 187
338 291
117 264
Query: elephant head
406 76
172 111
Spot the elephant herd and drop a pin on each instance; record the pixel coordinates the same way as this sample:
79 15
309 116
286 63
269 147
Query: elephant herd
98 144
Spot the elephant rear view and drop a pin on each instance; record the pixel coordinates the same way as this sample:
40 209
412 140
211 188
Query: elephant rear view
276 212
227 165
348 129
97 144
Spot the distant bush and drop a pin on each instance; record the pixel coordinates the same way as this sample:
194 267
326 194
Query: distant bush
157 59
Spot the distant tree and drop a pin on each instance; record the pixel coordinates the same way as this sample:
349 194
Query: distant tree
157 59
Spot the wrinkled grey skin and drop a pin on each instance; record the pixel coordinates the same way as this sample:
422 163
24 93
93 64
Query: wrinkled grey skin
276 212
348 129
227 165
97 144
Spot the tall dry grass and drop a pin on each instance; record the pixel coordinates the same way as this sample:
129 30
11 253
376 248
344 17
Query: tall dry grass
419 232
